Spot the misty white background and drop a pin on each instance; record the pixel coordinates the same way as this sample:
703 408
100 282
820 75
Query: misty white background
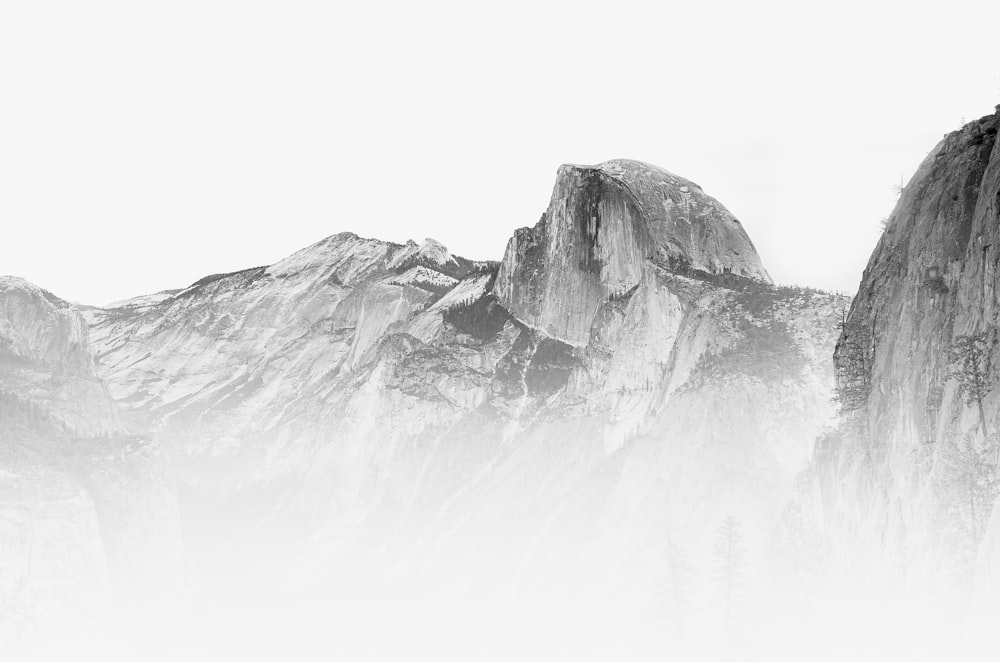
144 145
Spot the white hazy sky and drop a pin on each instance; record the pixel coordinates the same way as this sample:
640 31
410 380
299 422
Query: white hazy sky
146 144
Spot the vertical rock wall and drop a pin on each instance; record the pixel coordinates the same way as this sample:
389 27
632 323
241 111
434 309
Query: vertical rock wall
932 278
603 224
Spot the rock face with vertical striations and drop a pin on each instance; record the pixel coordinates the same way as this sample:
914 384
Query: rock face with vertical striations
88 515
911 457
603 224
362 410
45 356
400 394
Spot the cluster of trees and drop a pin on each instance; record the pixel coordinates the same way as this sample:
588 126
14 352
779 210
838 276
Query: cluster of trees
852 361
745 583
730 567
968 484
724 585
764 351
759 298
482 317
682 590
972 369
968 464
623 292
681 265
967 477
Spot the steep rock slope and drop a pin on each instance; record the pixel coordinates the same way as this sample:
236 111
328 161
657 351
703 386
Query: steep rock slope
230 366
45 359
88 516
620 383
908 477
603 223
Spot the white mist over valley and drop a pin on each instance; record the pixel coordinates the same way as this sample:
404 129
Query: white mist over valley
621 440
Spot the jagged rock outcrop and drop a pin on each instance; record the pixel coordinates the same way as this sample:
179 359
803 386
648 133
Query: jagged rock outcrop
88 516
603 224
907 476
55 597
45 359
236 363
363 411
369 391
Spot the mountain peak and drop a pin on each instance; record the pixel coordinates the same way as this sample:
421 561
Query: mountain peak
12 283
430 249
605 223
675 208
626 170
346 252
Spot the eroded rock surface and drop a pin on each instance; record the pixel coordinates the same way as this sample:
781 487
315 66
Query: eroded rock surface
603 224
364 413
907 476
88 516
401 396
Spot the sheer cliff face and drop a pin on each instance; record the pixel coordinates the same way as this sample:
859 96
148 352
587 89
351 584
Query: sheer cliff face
625 379
603 224
364 386
45 359
237 365
932 278
88 516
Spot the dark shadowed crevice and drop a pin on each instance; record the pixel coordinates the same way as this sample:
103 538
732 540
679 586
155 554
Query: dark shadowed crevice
588 218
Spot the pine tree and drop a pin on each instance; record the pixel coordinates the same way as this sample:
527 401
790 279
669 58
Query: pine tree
853 371
853 374
797 552
730 567
678 587
969 482
970 358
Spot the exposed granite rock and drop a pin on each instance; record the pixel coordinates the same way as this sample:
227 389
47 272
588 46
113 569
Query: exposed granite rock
603 224
55 597
932 278
366 406
88 517
362 386
46 359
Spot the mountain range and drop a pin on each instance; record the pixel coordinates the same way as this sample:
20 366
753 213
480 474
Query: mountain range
620 435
